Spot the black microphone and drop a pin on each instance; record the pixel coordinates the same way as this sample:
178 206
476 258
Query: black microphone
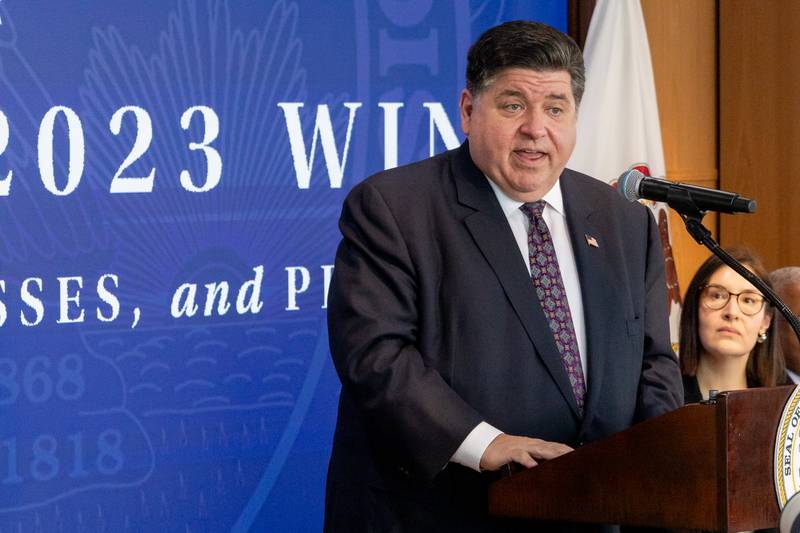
633 186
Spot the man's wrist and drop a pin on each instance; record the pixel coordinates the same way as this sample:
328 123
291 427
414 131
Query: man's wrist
470 452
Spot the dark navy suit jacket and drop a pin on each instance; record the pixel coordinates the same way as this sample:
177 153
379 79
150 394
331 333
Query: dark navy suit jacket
434 326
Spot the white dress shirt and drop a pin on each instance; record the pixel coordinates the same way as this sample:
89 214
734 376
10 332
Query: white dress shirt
471 450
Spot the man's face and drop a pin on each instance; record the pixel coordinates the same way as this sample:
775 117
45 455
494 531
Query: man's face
521 129
791 346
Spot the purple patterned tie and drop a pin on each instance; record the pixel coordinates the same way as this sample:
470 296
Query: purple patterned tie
549 286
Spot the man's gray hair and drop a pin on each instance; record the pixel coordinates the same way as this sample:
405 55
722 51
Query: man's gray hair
784 277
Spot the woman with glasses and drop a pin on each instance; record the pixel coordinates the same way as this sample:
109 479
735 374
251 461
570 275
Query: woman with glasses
727 331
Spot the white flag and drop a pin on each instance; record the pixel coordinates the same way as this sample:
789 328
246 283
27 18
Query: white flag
618 125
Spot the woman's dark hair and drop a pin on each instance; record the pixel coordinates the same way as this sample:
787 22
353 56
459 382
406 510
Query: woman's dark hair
765 366
524 44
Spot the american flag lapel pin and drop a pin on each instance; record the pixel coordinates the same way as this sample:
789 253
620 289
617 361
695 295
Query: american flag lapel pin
591 241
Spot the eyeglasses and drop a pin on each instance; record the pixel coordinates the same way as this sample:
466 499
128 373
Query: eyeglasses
716 297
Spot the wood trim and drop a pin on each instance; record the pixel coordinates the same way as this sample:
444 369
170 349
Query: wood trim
579 15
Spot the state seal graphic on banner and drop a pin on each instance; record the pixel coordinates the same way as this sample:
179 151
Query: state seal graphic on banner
787 451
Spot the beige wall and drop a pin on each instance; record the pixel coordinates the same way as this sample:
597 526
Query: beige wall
760 124
683 47
728 83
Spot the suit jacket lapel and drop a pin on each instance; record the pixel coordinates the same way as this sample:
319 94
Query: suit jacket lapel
493 236
597 285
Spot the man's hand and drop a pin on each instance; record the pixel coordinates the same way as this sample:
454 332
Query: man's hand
505 449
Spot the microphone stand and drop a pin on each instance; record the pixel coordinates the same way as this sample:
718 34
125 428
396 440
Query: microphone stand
692 217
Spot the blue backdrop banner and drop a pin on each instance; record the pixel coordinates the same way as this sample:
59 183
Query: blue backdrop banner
171 174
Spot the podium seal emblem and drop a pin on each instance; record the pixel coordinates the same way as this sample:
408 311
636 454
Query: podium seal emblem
787 451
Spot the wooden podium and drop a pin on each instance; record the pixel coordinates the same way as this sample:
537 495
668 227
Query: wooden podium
704 466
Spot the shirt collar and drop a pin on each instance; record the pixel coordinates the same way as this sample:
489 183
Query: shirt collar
553 198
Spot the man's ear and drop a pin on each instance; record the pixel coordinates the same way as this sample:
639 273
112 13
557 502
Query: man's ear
466 106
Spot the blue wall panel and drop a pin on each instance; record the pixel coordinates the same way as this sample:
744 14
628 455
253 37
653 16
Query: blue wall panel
160 152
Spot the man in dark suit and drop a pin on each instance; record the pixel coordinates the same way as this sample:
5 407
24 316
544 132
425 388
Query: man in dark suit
490 306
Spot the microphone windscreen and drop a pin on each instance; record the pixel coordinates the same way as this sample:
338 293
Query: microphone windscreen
790 517
628 184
